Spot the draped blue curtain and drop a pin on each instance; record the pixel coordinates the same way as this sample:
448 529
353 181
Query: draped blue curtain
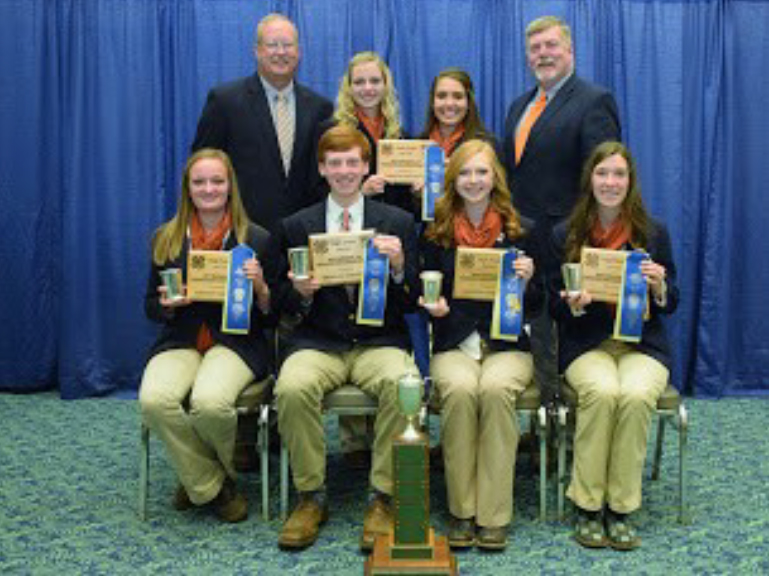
99 101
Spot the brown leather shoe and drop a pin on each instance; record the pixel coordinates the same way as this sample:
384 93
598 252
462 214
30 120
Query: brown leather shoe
302 527
378 521
489 538
231 506
181 499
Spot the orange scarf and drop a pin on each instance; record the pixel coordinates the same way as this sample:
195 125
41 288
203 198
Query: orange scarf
449 142
374 126
483 236
205 240
613 238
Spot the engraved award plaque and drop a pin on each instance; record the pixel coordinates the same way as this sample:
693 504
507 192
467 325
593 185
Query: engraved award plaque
412 548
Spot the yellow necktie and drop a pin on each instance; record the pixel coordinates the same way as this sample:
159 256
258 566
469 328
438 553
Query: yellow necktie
523 132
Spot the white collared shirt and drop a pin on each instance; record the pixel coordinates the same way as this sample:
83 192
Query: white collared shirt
335 212
272 98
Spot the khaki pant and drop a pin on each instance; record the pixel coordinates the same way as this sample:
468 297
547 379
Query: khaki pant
617 388
199 442
306 376
479 431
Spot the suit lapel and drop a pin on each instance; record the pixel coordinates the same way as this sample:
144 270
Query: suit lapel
373 217
262 114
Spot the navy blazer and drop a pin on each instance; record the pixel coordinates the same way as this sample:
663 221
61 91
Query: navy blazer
328 324
579 334
181 327
545 184
236 118
468 316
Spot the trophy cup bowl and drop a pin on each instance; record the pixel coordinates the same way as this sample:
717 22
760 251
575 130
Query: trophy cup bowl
431 286
572 278
299 261
410 403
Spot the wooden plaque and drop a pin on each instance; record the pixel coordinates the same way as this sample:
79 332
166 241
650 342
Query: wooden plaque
207 275
337 258
476 273
602 272
402 161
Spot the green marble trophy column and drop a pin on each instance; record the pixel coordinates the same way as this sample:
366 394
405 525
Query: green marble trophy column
413 547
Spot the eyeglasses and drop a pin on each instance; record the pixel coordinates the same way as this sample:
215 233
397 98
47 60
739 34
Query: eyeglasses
275 45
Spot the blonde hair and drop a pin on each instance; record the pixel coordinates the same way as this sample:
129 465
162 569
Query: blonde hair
441 230
545 23
389 107
169 237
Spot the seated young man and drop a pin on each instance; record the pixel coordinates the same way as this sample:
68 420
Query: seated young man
328 348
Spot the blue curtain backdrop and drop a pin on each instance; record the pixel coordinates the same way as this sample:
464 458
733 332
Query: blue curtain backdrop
99 100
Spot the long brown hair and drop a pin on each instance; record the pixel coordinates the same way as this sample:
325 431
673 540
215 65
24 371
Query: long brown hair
441 230
472 122
169 237
585 213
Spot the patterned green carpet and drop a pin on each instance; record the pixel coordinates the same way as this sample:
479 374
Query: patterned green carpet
68 487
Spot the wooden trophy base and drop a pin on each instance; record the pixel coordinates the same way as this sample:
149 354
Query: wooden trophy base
433 558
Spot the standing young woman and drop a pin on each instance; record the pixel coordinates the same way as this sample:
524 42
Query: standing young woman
196 372
478 378
452 114
367 100
617 383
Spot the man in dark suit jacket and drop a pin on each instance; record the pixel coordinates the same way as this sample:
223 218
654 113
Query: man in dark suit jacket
544 169
241 118
329 348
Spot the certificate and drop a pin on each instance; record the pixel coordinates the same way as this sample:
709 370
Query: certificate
476 273
602 272
402 161
207 273
337 258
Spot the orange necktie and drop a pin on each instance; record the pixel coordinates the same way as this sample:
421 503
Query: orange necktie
528 122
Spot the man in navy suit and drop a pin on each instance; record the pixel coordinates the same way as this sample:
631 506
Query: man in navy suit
276 176
329 348
544 169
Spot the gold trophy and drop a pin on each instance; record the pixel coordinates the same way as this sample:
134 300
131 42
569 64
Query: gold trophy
413 547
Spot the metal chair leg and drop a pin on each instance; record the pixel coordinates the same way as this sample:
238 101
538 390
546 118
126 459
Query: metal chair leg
661 420
283 482
542 433
144 471
563 415
264 452
683 430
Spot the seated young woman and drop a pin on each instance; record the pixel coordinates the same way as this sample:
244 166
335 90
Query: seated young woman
196 371
617 382
478 376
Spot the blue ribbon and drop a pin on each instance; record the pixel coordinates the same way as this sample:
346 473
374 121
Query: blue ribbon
629 321
372 298
434 168
507 318
236 312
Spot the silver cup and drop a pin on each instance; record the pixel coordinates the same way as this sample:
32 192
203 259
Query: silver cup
172 280
299 260
572 278
410 402
431 286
